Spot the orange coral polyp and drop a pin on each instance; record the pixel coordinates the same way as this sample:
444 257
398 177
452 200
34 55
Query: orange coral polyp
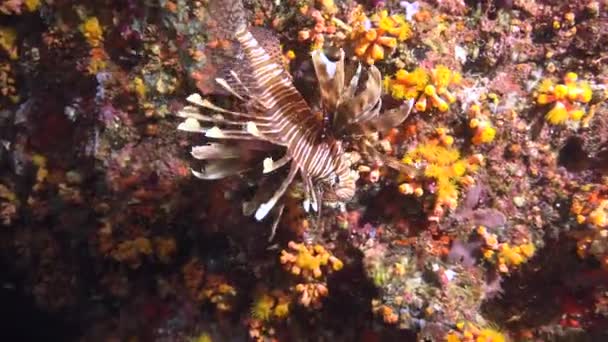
389 42
371 35
560 92
424 86
567 99
377 52
421 104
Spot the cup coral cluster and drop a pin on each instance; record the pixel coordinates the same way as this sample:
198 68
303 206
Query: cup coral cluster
470 332
504 255
443 164
483 130
18 7
307 261
270 305
8 38
211 288
93 33
310 262
375 37
310 295
591 210
567 99
316 34
219 292
430 88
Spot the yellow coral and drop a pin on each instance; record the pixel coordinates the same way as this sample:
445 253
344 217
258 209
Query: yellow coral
165 248
591 207
218 292
395 25
97 60
8 37
139 87
371 44
281 310
598 217
490 335
310 295
505 255
31 5
204 337
307 260
263 307
407 85
430 88
92 31
468 332
484 132
328 6
568 98
445 166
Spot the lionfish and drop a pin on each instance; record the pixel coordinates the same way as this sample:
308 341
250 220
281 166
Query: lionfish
275 112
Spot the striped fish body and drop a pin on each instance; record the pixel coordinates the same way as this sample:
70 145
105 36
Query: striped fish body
276 113
294 125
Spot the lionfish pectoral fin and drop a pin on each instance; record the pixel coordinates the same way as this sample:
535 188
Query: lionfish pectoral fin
389 161
367 114
218 169
352 85
271 165
311 199
330 76
215 151
392 118
199 101
265 208
190 125
306 204
366 105
396 164
252 129
222 82
275 222
195 99
318 195
228 134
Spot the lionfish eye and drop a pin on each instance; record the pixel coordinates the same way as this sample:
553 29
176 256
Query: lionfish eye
336 179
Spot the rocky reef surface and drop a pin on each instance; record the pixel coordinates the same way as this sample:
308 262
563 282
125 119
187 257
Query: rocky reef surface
501 234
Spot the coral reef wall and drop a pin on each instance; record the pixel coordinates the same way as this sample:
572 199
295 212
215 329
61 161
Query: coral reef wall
472 136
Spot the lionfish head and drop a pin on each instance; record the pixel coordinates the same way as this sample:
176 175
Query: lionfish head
342 184
344 189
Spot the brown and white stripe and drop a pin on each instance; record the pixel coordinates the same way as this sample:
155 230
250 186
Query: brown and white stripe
279 115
